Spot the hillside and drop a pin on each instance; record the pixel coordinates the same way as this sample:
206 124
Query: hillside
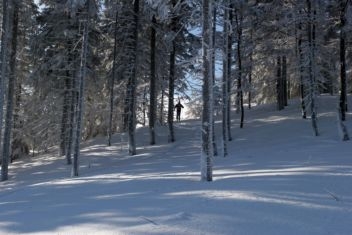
278 179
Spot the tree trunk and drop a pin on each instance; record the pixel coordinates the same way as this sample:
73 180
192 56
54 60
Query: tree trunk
170 116
112 82
311 74
239 19
207 117
152 105
144 106
64 117
279 84
229 72
12 14
225 94
343 88
161 114
71 124
81 86
301 71
213 75
132 84
284 81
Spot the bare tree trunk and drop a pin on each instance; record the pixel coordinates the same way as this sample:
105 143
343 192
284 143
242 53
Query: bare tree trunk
170 116
284 81
343 89
132 85
81 86
207 119
161 114
225 94
71 124
152 105
279 84
144 106
301 70
11 16
311 66
239 19
229 72
112 82
64 117
213 74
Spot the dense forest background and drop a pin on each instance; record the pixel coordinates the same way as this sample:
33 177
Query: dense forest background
75 70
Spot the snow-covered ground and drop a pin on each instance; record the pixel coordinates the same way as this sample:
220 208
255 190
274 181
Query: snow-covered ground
277 179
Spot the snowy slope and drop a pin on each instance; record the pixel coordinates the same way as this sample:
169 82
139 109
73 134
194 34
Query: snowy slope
278 179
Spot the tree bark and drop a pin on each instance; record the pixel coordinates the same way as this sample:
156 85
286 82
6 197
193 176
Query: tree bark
279 83
207 117
284 81
11 34
225 75
213 74
343 85
152 104
170 116
112 81
229 72
81 86
311 74
132 84
301 70
238 17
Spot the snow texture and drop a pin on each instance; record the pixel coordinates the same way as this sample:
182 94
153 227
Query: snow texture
277 179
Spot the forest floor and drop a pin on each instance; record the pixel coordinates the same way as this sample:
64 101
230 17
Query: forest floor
277 179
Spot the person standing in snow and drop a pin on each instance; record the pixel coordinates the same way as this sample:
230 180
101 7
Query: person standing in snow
178 108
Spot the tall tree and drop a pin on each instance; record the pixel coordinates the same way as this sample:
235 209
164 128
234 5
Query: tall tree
152 105
225 77
81 86
229 70
207 116
311 63
132 82
112 81
300 59
170 116
10 29
343 88
239 33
